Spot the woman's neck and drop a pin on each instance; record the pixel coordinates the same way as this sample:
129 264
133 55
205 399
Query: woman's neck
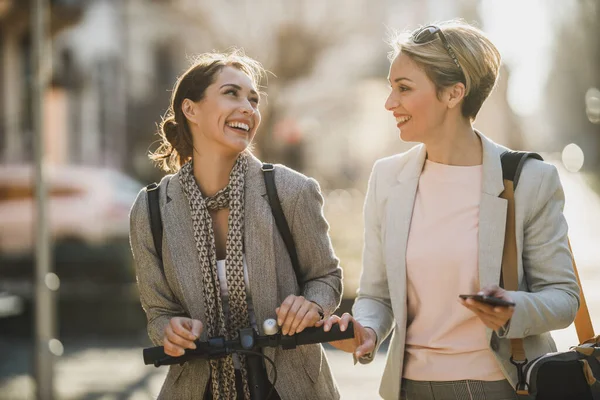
212 171
456 145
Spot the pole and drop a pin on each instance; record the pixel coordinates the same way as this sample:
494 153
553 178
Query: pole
45 281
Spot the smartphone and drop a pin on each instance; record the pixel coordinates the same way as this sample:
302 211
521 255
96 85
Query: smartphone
493 301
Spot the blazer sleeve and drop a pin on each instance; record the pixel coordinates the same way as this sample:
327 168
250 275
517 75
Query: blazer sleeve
321 274
552 299
372 307
157 299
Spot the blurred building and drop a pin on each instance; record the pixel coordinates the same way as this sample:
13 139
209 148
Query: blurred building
347 144
15 71
113 71
571 112
120 61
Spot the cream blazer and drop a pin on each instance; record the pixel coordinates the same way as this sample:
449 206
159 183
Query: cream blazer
548 296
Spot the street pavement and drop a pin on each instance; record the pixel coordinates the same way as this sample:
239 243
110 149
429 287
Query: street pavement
112 369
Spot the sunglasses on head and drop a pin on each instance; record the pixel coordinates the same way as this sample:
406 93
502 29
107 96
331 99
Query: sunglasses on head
428 34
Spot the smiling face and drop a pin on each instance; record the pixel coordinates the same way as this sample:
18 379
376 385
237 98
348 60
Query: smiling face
227 117
413 100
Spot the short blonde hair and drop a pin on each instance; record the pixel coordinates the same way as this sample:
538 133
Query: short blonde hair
479 60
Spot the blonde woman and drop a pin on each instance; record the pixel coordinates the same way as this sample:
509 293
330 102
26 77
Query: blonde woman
434 229
224 265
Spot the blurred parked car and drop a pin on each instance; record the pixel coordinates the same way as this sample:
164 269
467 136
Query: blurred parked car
88 212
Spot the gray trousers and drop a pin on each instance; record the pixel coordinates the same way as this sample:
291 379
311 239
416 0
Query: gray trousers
457 390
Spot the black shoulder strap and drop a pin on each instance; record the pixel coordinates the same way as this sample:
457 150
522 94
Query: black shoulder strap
512 164
280 221
155 217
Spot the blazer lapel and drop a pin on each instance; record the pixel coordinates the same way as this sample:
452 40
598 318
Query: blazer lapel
399 210
258 244
492 215
179 235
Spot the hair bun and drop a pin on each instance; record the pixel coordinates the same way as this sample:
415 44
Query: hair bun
169 129
175 137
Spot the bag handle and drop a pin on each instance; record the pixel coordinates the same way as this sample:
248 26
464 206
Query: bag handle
583 322
509 279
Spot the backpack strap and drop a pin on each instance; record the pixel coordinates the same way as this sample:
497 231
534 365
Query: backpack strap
153 191
280 221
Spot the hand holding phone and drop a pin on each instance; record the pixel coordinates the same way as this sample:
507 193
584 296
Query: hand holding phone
493 306
492 301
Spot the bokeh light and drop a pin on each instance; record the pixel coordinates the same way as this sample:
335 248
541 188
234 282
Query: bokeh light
592 105
52 281
56 347
572 157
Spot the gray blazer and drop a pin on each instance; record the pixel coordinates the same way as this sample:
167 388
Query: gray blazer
548 296
302 373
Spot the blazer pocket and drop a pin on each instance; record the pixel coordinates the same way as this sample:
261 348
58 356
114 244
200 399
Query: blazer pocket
312 359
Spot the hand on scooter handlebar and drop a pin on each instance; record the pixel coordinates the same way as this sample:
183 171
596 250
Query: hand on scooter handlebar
181 334
248 340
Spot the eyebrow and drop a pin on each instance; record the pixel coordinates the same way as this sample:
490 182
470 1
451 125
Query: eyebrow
238 87
400 79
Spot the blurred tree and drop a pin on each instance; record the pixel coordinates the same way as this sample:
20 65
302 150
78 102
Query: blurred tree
292 40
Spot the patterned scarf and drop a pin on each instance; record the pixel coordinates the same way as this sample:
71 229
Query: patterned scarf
232 196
